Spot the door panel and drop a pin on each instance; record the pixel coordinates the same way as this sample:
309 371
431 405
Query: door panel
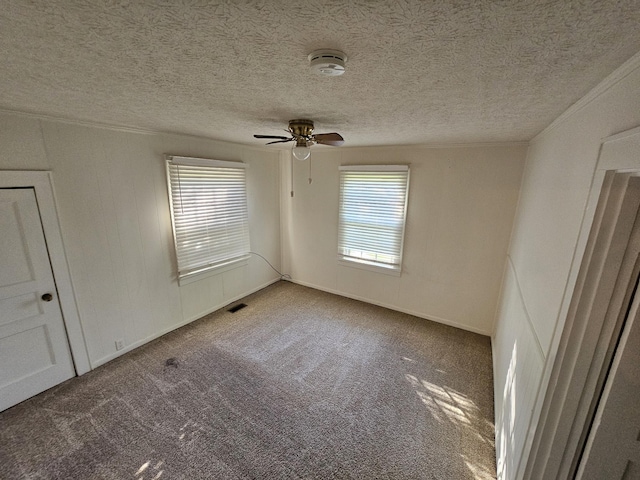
613 447
34 351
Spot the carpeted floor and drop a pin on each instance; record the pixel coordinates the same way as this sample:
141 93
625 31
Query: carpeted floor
298 384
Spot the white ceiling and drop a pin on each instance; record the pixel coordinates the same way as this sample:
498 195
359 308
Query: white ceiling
418 71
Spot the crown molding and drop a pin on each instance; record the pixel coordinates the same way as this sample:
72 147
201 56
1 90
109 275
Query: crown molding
122 128
82 123
435 146
610 81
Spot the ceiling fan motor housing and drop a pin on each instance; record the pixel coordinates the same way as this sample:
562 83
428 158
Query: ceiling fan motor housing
330 63
301 128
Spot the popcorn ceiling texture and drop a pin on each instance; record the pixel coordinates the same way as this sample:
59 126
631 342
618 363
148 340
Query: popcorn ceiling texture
417 72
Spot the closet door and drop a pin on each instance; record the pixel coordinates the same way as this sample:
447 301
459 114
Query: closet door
34 350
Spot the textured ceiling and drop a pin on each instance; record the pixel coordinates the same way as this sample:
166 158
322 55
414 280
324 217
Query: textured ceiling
417 72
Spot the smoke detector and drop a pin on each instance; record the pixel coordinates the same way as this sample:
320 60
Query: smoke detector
329 63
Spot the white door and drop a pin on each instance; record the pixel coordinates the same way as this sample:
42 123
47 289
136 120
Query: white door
613 447
34 351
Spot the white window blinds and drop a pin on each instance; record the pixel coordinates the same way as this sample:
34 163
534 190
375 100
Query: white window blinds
209 213
373 201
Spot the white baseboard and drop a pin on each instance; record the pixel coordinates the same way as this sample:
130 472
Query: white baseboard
432 318
139 343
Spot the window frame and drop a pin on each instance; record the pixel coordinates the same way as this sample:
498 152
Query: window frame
361 263
195 273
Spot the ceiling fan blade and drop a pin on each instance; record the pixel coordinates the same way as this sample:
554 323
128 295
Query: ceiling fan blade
334 139
272 136
280 141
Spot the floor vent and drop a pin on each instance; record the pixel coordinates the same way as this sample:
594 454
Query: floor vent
235 308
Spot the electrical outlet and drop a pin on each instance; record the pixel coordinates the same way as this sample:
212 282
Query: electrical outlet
119 344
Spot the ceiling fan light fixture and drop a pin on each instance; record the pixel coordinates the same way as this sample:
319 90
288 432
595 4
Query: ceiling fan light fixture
329 63
301 150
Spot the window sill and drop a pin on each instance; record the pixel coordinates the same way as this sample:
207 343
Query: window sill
364 265
213 270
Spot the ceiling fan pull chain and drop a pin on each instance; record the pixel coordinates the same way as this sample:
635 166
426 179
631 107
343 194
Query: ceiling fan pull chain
291 158
310 180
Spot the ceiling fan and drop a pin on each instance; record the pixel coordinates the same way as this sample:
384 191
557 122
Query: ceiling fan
302 133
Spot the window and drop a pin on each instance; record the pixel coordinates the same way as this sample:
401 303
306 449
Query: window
208 212
373 203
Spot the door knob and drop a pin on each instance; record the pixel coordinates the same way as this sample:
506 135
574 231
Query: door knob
47 297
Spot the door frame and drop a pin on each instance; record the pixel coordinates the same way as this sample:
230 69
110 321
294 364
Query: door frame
581 342
41 182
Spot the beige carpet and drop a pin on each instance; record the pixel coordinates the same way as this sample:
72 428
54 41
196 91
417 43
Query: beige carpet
298 384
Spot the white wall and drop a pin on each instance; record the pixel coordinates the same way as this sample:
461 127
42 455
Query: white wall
112 202
461 207
543 257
